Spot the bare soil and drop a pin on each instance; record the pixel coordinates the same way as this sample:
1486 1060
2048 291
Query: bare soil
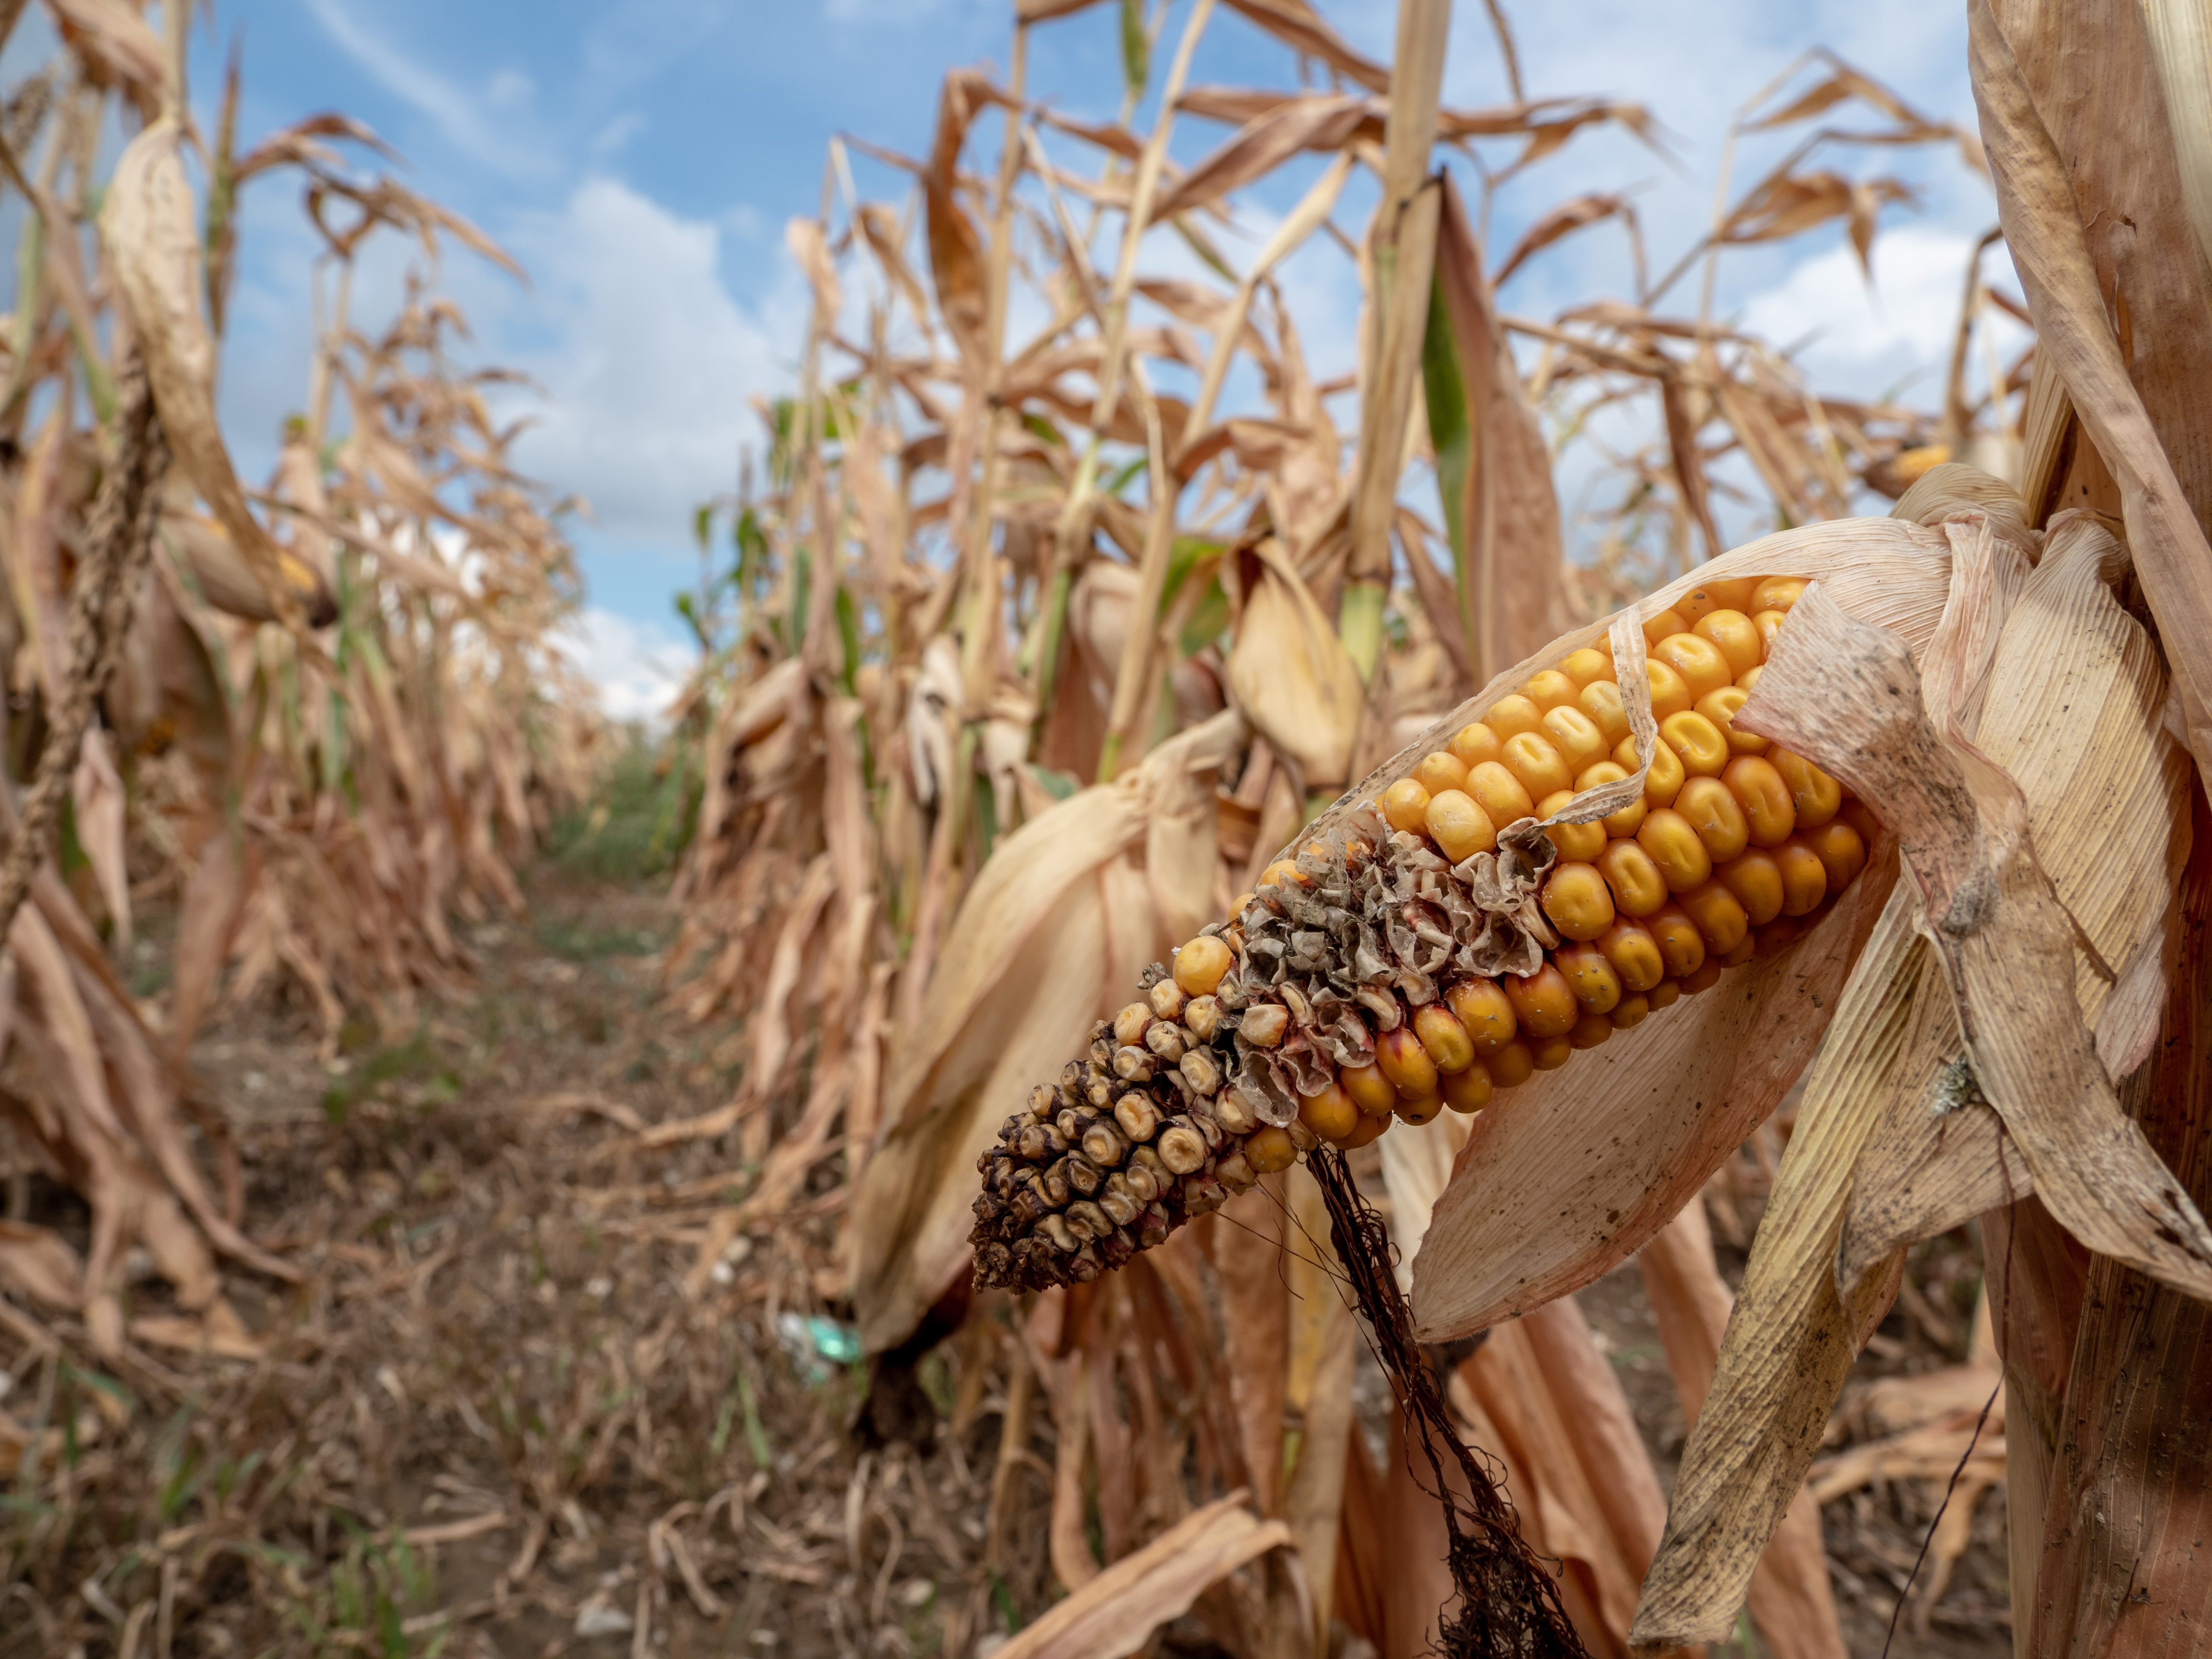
534 1396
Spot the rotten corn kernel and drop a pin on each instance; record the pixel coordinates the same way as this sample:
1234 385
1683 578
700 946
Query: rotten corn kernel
1358 985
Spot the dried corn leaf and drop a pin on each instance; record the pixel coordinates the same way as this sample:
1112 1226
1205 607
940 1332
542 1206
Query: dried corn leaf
1290 674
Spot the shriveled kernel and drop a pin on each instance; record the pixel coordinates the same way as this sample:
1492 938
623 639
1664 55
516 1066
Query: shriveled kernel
1601 705
1485 1012
1634 954
1814 795
1420 1108
1512 1065
1460 827
1439 771
1406 806
1632 1009
1201 1018
1665 779
1579 843
1131 1023
1638 885
1682 947
1626 820
1444 1037
1707 975
1405 1063
1665 625
1587 664
1468 1090
1673 843
1167 998
1778 593
1841 853
1200 965
1577 901
1713 812
1734 635
1590 1030
1698 662
1589 976
1541 769
1698 742
1665 994
1719 707
1329 1114
1264 1024
1768 810
1543 1003
1510 716
1553 1052
1721 920
1670 692
1370 1090
1475 744
1270 1150
1576 735
1804 876
1551 689
1500 795
1756 880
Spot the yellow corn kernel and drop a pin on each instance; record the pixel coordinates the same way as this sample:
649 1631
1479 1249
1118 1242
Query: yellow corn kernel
1699 743
1665 994
1200 965
1624 821
1631 1010
1543 1003
1673 843
1511 1065
1475 744
1746 949
1841 853
1749 680
1759 789
1459 827
1589 976
1707 975
1440 771
1732 594
1577 900
1804 876
1586 664
1637 885
1778 593
1665 779
1553 1052
1405 1063
1590 1030
1756 880
1579 843
1499 794
1634 954
1576 736
1812 793
1713 813
1270 1150
1406 806
1734 635
1667 623
1418 1109
1368 1131
1510 716
1719 707
1601 702
1670 692
1857 813
1551 689
1282 873
1698 662
1696 604
1682 947
1773 938
1444 1037
1542 769
1486 1012
1721 920
1769 623
1329 1114
1370 1090
1468 1090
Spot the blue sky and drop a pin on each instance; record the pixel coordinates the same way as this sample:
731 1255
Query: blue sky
641 158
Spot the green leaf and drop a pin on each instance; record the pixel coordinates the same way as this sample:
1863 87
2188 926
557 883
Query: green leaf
1136 49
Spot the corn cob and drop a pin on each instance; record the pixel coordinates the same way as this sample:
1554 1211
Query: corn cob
1451 942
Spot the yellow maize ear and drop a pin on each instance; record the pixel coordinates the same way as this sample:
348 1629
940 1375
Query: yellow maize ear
1362 983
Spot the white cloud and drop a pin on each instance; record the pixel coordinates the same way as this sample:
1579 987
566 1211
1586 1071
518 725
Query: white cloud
460 112
636 667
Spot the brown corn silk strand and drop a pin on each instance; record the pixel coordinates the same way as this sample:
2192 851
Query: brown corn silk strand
1508 1604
